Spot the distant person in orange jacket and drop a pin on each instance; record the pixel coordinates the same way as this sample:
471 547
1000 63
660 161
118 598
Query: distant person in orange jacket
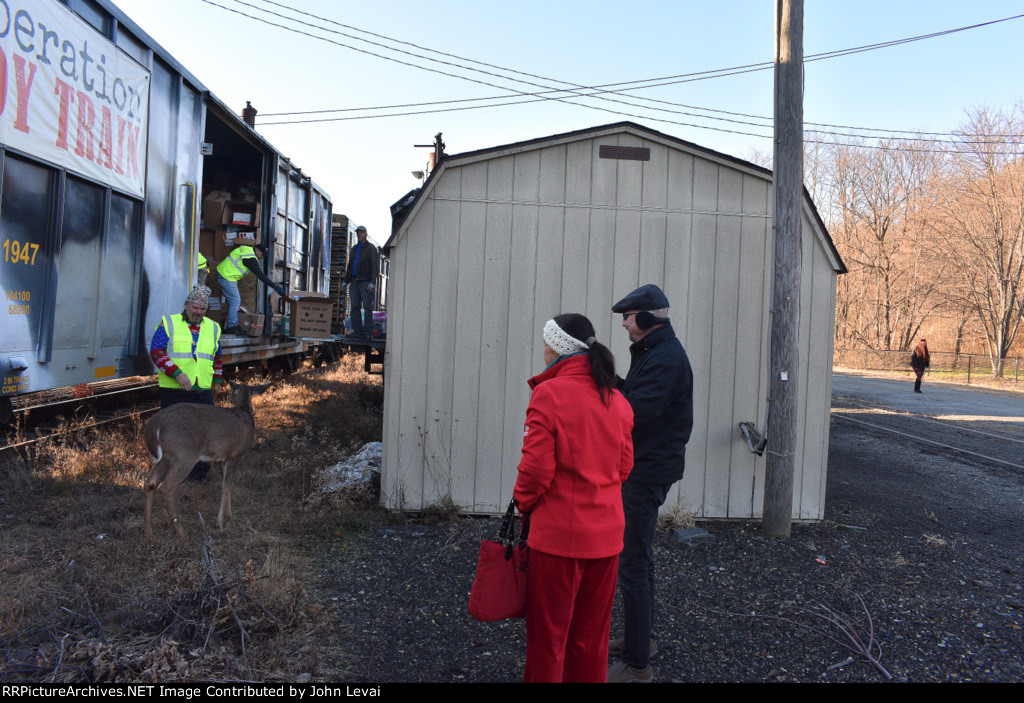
919 361
577 451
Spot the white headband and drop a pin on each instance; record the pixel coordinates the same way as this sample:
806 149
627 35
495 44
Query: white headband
560 341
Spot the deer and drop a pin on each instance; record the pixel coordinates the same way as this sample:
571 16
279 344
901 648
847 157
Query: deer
181 435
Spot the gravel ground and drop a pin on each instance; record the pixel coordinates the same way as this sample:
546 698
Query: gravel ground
927 543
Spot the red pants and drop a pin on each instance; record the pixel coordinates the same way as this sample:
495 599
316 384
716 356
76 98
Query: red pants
568 618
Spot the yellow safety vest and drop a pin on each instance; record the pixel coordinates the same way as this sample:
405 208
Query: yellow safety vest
198 365
201 261
232 268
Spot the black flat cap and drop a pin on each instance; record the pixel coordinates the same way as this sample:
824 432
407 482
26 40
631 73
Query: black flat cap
648 297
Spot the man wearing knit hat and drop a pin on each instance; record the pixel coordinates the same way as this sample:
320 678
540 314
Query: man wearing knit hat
659 388
186 351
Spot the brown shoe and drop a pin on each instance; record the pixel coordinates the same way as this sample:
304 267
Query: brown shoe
617 646
621 672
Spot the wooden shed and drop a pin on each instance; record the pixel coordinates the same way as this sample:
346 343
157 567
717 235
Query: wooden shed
498 241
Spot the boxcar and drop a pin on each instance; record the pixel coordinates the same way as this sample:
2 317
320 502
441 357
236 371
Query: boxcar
107 149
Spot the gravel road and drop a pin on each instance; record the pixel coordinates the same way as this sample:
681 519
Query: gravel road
923 540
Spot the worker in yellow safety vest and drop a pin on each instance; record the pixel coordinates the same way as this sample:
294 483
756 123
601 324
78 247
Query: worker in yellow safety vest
186 351
203 269
242 260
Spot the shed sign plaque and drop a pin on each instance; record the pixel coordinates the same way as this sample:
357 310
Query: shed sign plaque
71 97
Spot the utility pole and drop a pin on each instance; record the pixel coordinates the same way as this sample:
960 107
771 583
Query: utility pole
788 206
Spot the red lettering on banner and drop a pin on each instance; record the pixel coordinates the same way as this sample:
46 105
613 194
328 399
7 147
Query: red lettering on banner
66 94
105 155
86 121
118 165
131 146
24 91
3 81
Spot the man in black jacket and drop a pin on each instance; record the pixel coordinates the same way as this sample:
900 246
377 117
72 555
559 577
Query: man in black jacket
361 277
659 387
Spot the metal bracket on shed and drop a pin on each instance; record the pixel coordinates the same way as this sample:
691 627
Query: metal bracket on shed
755 441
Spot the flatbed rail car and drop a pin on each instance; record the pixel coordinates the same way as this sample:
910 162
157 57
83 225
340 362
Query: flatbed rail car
106 155
373 350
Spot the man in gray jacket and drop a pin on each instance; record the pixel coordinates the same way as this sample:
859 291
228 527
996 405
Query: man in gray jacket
659 388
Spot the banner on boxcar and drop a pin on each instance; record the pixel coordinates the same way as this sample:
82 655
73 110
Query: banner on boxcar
71 97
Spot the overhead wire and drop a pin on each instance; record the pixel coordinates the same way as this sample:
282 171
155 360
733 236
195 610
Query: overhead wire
600 89
599 92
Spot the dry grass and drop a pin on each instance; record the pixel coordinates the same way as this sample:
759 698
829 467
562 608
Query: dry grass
682 517
84 598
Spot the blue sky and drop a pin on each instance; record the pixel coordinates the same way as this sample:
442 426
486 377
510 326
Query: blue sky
365 165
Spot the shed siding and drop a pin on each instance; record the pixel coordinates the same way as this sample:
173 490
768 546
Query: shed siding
468 327
501 244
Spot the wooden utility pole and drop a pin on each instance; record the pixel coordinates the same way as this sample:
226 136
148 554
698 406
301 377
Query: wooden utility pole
788 206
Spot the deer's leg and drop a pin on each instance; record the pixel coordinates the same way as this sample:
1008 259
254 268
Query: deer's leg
180 467
228 466
148 489
156 475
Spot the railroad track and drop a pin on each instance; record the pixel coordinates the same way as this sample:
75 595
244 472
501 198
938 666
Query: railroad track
68 411
45 415
998 441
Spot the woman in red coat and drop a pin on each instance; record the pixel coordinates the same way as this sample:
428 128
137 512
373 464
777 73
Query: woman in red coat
577 451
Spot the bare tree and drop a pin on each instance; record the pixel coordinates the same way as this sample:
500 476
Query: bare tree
982 223
882 205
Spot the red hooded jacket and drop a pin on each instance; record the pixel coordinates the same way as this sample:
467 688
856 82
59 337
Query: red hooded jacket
577 451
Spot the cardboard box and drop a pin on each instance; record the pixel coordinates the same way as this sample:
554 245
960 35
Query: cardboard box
208 243
225 242
234 237
311 315
254 326
213 208
221 249
240 212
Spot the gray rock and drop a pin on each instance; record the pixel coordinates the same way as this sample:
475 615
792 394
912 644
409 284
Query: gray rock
691 536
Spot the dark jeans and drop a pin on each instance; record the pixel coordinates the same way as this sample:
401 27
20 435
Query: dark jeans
640 502
169 397
362 308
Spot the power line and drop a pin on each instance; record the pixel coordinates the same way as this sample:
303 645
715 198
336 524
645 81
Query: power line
595 91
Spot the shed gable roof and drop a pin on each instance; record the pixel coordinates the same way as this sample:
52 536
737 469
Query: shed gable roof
404 210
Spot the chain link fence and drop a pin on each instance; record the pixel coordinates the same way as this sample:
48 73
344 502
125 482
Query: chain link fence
945 366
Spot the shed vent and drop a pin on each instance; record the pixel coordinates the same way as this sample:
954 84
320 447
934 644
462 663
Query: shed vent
629 153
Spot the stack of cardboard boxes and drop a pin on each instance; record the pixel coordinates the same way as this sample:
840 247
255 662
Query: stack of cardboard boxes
229 222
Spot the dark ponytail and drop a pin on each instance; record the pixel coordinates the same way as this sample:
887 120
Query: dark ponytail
602 362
